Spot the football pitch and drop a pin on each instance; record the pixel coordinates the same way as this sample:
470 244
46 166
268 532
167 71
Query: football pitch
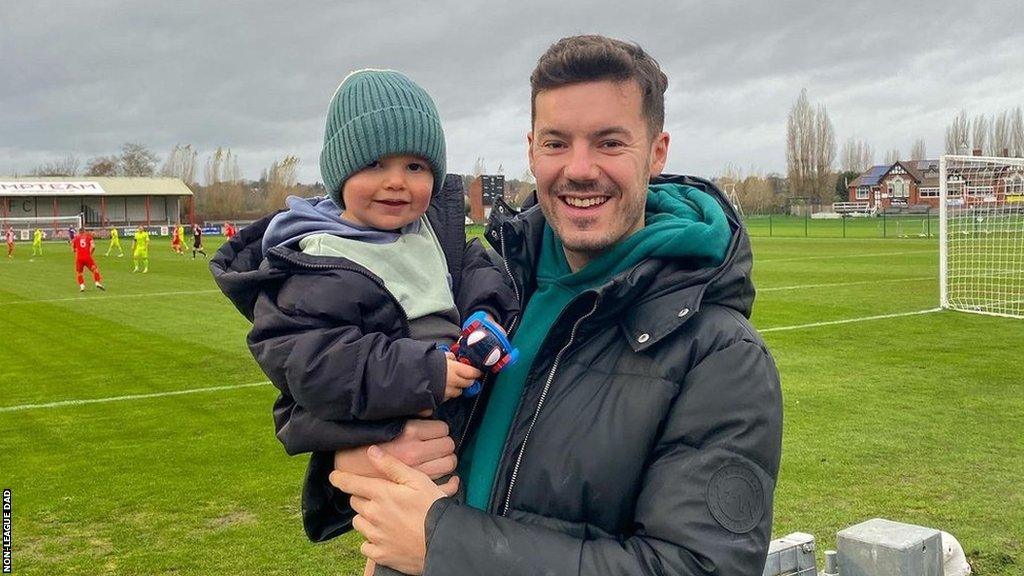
137 435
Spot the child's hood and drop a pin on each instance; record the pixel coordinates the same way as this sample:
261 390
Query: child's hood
319 215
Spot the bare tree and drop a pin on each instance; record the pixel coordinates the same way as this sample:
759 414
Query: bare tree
181 163
221 166
824 153
479 167
999 137
918 151
281 181
958 134
800 146
137 160
1017 133
68 166
856 156
102 166
892 156
979 133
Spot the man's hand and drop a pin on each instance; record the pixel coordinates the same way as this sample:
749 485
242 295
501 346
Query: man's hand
459 377
423 444
391 511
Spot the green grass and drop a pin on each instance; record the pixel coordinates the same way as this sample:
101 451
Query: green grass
918 419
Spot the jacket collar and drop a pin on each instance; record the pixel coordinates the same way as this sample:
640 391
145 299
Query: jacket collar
651 300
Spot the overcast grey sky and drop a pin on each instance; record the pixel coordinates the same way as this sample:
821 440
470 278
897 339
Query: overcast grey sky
84 77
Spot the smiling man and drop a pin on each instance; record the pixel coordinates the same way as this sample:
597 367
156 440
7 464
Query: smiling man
640 432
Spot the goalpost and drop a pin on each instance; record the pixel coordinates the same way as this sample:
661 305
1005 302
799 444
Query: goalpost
981 235
52 226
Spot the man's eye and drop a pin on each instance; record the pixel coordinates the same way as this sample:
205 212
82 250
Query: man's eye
554 145
611 144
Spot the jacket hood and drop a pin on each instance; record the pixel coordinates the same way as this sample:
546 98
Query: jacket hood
239 269
319 215
242 267
657 295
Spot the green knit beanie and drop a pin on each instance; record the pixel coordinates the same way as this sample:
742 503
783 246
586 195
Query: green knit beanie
378 113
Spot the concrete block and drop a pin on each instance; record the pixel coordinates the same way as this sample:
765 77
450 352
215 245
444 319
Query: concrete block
791 555
885 548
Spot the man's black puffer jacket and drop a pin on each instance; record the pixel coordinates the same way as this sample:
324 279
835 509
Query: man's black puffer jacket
335 342
648 436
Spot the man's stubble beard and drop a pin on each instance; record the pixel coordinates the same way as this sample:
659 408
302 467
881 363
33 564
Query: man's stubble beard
622 224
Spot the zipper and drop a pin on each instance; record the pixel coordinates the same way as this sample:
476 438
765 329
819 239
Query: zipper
509 332
346 267
540 403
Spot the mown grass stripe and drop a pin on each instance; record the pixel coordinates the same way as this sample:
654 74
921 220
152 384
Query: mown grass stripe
64 403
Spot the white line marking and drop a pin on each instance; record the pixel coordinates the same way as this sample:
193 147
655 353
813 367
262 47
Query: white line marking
873 255
110 297
63 403
849 321
861 283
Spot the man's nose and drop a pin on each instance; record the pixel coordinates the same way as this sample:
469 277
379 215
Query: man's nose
581 164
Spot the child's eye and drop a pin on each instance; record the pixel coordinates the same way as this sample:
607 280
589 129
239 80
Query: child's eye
417 166
373 164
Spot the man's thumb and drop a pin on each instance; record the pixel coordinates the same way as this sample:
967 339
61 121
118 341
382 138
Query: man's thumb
392 468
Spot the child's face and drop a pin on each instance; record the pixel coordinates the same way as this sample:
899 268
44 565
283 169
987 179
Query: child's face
389 193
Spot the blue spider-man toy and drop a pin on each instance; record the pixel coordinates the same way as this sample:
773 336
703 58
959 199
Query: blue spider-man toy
484 346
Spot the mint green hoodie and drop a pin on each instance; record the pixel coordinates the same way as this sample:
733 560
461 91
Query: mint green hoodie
681 222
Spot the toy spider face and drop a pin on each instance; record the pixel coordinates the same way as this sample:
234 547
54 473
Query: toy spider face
493 356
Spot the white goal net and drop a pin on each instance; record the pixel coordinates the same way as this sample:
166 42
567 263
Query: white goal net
981 227
53 227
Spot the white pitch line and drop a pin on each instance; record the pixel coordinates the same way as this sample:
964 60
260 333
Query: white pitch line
64 403
872 255
848 321
110 297
861 283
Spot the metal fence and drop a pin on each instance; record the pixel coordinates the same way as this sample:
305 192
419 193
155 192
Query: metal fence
881 226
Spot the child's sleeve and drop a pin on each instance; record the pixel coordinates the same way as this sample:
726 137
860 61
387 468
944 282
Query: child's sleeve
308 337
485 286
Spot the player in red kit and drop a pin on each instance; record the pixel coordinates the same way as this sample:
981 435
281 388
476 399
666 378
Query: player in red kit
84 247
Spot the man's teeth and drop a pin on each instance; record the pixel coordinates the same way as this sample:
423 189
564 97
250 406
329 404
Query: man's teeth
584 202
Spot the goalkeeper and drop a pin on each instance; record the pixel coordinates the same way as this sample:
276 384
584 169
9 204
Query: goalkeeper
37 242
140 249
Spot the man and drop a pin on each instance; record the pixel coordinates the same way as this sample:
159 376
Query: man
115 242
197 241
37 242
9 238
140 249
640 432
84 246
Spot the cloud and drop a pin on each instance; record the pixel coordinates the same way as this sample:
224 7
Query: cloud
256 77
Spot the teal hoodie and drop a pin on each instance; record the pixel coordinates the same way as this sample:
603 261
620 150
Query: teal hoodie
681 222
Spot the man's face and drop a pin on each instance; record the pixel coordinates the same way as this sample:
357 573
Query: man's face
592 155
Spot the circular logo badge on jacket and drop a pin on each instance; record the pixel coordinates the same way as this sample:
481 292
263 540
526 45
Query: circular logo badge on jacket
735 498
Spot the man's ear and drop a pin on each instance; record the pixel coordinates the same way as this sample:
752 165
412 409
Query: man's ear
659 153
529 150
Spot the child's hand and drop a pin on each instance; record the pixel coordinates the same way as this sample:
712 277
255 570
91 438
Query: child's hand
459 377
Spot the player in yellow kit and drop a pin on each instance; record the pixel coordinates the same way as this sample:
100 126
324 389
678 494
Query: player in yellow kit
140 249
37 242
115 242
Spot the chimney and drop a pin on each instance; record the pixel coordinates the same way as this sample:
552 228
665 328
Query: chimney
977 152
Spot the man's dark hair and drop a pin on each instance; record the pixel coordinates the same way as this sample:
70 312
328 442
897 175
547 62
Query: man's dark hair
593 58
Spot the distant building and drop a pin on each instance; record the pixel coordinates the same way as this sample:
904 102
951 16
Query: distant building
483 192
101 201
904 184
913 185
